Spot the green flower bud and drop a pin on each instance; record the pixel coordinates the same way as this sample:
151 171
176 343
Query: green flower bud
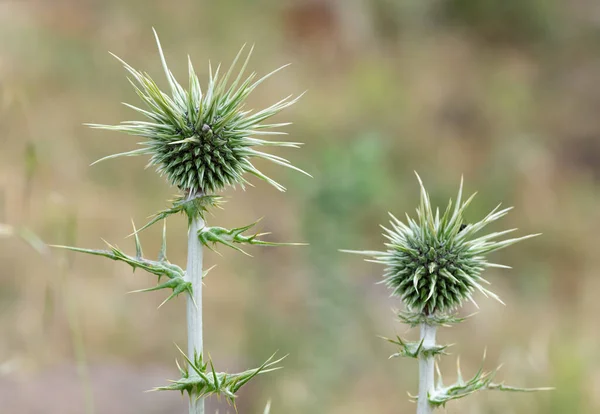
434 263
203 142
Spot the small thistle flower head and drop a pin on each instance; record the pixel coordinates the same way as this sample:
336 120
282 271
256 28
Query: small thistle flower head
203 141
434 263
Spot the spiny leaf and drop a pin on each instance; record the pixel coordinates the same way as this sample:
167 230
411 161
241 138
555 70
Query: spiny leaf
482 380
200 380
415 349
210 236
416 318
193 207
162 267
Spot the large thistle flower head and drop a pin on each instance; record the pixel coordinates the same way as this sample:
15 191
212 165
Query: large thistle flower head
434 262
203 141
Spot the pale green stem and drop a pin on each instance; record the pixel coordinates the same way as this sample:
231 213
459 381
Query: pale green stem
194 303
426 367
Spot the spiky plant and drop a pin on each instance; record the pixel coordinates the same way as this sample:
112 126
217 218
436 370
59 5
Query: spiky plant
434 263
203 142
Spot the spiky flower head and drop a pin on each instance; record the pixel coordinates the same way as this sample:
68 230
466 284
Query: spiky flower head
203 141
434 263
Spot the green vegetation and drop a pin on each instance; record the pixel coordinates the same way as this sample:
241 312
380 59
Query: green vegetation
202 142
506 97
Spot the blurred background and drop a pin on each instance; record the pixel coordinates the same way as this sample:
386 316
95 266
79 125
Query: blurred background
505 92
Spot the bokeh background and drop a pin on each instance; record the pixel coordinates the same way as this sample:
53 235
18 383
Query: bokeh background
505 92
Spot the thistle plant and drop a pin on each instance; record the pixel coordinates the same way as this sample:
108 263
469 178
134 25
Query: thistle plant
202 141
434 263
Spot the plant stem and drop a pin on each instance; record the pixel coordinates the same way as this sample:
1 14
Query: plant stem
194 303
426 366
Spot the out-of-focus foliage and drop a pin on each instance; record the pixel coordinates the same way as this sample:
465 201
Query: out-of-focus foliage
508 21
506 93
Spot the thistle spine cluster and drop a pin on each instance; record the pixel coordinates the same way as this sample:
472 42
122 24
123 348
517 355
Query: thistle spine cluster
204 141
434 263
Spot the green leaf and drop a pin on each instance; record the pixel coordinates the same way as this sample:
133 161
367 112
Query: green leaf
192 207
210 236
417 318
482 380
200 381
161 267
415 349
